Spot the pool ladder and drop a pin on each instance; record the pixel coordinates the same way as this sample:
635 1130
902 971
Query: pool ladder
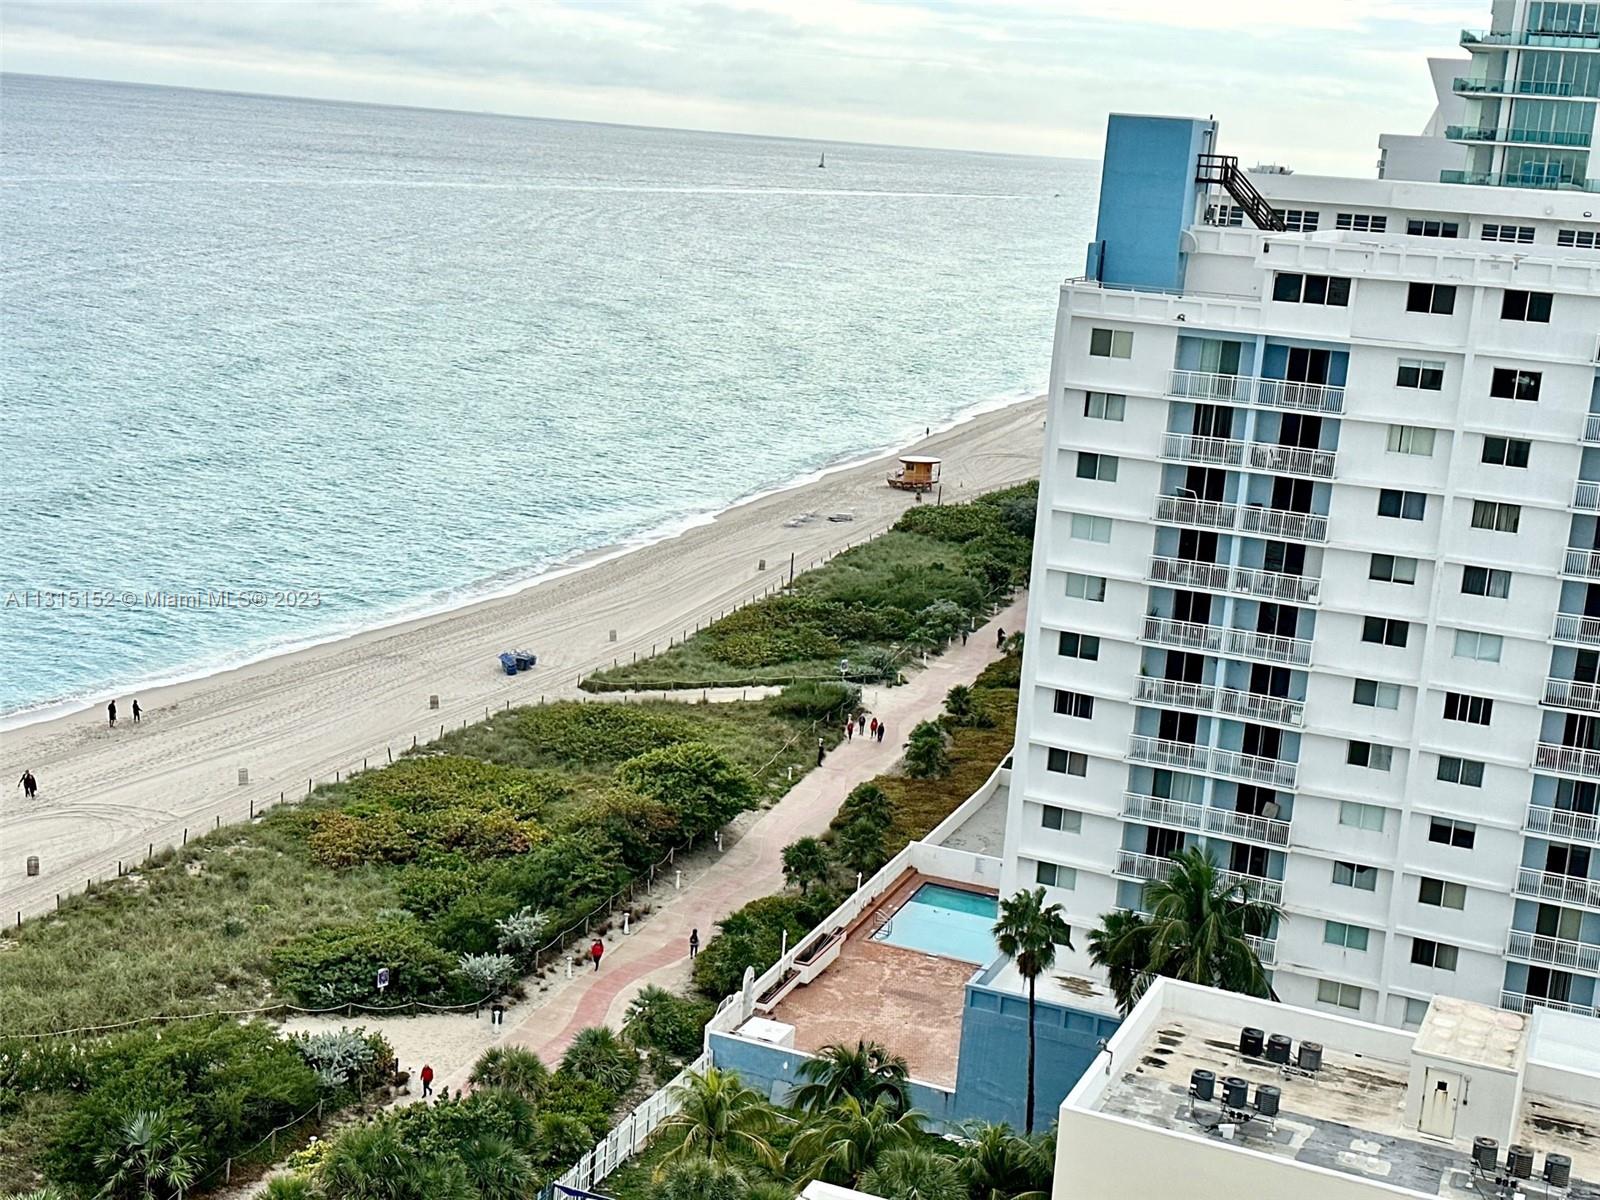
883 928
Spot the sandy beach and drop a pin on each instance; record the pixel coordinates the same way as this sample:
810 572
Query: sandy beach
106 796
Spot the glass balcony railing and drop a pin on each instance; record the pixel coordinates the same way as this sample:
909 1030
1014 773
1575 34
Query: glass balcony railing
1510 87
1532 137
1575 40
1498 179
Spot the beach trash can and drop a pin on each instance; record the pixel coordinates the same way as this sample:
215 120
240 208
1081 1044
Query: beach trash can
33 865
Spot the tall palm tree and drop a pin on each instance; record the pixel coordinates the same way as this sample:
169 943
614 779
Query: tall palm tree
1028 932
840 1144
1198 930
869 1072
718 1115
155 1155
998 1164
915 1173
806 861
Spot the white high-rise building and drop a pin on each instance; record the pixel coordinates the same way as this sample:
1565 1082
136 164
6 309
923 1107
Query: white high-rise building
1316 585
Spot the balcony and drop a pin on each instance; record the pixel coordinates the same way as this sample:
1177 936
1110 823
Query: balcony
1211 386
1567 760
1214 387
1250 518
1303 397
1231 764
1498 179
1571 693
1521 1002
1559 889
1292 460
1149 867
1173 693
1586 496
1563 823
1506 87
1269 647
1531 137
1591 429
1584 564
1185 635
1252 706
1471 38
1554 952
1200 818
1216 452
1266 949
1154 810
1259 886
1162 753
1252 768
1238 826
1199 697
1221 639
1247 581
1574 627
1200 514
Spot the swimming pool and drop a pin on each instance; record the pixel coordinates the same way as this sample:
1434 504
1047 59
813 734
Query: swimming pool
945 921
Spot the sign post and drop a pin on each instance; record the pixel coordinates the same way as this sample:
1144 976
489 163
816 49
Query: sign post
383 979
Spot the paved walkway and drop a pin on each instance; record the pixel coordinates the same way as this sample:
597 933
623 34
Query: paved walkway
657 950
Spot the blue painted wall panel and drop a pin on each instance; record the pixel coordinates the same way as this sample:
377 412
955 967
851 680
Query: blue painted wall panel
1148 196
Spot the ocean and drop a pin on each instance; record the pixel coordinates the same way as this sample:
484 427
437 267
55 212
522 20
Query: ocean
275 370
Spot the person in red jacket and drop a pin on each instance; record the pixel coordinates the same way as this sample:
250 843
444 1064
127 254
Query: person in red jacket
427 1081
595 951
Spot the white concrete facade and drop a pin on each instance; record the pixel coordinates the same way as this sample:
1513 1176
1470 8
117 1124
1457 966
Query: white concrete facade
1316 589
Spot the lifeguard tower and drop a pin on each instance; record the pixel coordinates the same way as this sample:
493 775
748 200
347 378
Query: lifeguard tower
916 473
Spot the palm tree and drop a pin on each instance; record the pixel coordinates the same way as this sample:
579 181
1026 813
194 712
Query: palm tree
805 861
1028 932
512 1068
1198 930
958 704
717 1115
869 1073
1000 1165
154 1154
702 1179
917 1173
496 1169
839 1145
600 1056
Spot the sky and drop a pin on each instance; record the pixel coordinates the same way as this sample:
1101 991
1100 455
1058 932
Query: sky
1307 83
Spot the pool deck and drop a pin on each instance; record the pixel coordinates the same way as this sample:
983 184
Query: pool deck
908 1000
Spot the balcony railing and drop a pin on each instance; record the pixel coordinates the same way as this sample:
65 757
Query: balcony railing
1563 823
1163 753
1554 952
1220 452
1586 496
1521 1002
1507 87
1567 760
1203 514
1574 627
1585 564
1155 810
1252 706
1292 460
1160 752
1221 639
1591 429
1176 694
1185 635
1252 767
1281 523
1528 37
1266 949
1571 693
1500 179
1211 386
1153 866
1262 888
1306 397
1269 647
1200 697
1199 818
1536 137
1248 581
1240 826
1186 573
1560 889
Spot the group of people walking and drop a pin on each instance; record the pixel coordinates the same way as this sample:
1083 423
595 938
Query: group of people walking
29 783
873 730
111 714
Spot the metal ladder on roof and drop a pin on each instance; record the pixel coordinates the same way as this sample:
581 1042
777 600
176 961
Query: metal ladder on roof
1223 170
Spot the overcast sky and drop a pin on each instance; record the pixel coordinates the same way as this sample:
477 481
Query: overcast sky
1309 83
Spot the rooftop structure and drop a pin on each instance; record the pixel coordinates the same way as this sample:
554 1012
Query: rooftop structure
1355 1110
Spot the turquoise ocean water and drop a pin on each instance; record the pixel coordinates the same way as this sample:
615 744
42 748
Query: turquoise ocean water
396 358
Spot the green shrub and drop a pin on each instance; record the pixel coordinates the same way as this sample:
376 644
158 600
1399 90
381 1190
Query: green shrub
340 1056
817 700
487 974
586 735
699 785
581 1100
658 1020
339 965
599 1056
513 1068
925 752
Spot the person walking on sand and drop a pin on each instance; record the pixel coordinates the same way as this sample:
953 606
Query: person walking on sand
694 943
29 785
136 711
595 951
822 749
111 712
427 1081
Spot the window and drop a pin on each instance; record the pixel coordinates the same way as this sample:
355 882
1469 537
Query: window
1392 568
1350 937
1111 343
1493 515
1074 704
1368 817
1299 220
1079 645
1438 894
1508 233
1340 995
1509 384
1370 755
1385 631
1086 587
1485 581
1437 298
1225 214
1053 816
1053 876
1090 529
1482 647
1104 406
1437 955
1097 466
1474 710
1311 289
1414 1012
1371 694
1355 875
1361 222
1066 762
1425 374
1506 452
1422 228
1407 439
1583 239
1518 305
1467 772
1448 832
1407 506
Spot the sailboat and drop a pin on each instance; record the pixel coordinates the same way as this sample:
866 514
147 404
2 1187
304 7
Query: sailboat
823 161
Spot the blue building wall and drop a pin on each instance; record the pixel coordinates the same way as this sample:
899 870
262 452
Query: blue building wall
1148 196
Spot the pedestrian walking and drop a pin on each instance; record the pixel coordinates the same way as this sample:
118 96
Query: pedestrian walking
881 727
963 637
999 639
861 722
136 711
822 748
29 785
850 730
874 726
694 943
427 1081
111 712
595 951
